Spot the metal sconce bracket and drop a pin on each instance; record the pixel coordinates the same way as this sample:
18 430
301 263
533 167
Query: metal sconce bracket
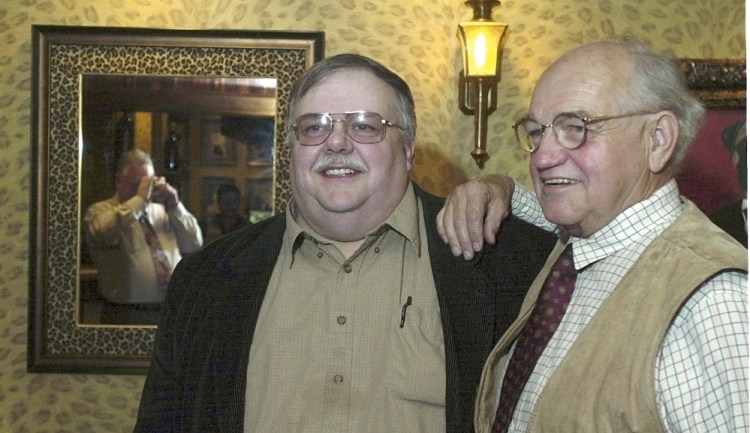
481 45
478 97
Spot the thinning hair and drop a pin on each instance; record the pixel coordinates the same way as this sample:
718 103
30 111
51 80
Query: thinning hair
404 103
658 84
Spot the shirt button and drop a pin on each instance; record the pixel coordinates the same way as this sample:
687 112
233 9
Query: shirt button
320 255
347 268
338 378
341 320
377 250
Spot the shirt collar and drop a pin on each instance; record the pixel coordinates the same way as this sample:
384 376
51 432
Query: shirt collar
653 214
405 220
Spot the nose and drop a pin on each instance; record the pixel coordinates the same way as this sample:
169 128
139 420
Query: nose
549 153
338 140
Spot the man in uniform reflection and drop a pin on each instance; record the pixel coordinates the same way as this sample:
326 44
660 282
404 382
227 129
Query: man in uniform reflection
136 238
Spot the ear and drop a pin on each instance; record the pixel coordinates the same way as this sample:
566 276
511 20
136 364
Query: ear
410 147
663 141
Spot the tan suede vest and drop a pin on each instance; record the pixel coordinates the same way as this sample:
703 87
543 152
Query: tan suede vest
606 382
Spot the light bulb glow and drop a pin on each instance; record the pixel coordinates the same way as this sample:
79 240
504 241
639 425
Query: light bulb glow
480 50
480 43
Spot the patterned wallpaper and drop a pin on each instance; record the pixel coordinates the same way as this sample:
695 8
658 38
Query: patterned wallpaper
416 38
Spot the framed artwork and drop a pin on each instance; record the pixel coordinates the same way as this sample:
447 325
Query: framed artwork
255 133
58 342
259 198
714 172
709 176
216 148
260 143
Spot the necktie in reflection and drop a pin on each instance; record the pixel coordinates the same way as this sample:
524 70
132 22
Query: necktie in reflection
548 312
159 256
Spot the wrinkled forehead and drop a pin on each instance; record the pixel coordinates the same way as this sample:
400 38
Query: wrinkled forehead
591 81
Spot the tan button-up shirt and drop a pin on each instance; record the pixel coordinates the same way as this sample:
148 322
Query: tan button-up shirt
330 353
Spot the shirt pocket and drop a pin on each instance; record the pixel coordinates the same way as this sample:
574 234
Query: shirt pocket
416 362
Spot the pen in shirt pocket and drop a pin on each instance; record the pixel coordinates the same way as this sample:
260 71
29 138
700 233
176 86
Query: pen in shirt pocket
403 311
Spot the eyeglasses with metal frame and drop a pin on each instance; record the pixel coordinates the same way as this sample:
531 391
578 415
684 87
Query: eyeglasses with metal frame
571 130
364 127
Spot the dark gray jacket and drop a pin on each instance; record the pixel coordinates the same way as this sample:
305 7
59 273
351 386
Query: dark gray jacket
196 381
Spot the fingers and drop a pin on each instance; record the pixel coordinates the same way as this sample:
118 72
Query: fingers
495 217
159 183
461 221
473 213
450 229
164 193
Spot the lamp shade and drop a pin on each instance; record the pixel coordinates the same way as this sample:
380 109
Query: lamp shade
480 45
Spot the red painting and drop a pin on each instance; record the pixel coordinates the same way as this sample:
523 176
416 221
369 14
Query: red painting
709 175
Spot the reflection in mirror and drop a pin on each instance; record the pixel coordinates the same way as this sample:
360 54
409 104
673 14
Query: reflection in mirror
211 138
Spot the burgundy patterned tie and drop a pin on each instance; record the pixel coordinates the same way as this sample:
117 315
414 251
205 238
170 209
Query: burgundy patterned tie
161 260
546 316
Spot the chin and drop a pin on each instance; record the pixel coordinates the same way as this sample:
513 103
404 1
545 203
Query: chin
340 205
562 218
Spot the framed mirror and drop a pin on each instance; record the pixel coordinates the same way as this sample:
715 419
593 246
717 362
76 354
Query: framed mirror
195 100
206 136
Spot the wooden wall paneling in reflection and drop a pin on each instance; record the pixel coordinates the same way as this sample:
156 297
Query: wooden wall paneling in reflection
165 125
238 171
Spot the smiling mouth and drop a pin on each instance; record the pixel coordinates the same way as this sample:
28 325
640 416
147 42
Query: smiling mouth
559 181
339 172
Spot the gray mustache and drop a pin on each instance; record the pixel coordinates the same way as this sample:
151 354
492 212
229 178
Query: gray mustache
340 160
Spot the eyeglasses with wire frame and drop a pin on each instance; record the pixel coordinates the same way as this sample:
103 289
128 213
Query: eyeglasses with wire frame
365 127
570 129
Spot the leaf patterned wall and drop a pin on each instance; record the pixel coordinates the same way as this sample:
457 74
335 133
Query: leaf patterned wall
415 38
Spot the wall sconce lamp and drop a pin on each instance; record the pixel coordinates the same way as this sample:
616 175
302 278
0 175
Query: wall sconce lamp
481 40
